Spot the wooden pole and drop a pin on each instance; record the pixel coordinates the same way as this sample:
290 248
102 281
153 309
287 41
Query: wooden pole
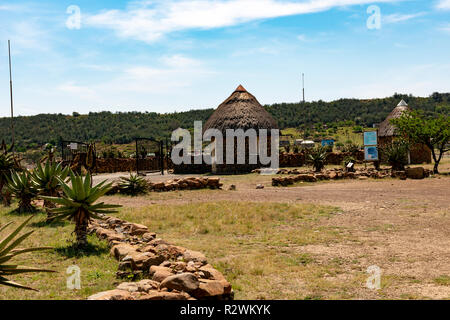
11 94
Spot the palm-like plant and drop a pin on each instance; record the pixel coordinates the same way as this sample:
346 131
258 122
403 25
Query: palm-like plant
46 179
317 158
133 185
8 250
78 203
7 165
24 189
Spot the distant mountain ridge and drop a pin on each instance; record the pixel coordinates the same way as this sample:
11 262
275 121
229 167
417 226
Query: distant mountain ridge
122 127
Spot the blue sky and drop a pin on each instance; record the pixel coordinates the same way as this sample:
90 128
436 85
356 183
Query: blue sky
177 55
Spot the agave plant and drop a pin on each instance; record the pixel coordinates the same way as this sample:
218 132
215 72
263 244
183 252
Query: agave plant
46 179
9 250
78 203
24 189
7 165
133 185
317 158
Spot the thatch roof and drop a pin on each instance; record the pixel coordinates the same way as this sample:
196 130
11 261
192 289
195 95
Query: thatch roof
386 128
240 111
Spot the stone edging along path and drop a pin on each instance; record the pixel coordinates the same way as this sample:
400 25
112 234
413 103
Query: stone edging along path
169 272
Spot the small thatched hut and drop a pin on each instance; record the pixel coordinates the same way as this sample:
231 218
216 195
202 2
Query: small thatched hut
387 132
240 111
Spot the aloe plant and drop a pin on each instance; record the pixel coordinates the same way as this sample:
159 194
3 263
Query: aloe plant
7 165
78 204
317 158
133 185
46 180
9 249
24 189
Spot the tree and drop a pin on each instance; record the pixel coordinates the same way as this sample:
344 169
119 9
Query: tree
46 180
78 204
434 132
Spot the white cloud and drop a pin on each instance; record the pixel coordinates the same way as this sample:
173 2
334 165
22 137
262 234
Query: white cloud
74 89
179 61
150 20
445 28
443 4
301 37
394 18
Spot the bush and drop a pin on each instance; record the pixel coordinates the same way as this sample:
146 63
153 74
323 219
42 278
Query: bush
133 185
396 154
317 158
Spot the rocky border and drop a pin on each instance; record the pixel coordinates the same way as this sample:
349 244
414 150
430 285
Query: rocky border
336 174
169 272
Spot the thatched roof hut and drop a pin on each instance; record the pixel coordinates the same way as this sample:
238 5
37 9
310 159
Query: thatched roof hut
240 111
386 128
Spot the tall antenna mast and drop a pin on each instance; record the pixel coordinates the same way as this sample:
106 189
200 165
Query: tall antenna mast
11 93
303 83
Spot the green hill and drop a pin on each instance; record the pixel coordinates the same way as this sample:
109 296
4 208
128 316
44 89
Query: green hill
122 127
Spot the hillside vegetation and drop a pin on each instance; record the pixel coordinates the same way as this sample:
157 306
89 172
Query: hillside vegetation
122 127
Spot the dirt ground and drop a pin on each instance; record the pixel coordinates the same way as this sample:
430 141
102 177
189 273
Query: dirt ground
403 227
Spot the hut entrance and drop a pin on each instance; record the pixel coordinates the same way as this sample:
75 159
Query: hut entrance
149 156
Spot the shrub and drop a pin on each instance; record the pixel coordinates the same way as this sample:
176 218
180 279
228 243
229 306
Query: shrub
24 189
396 154
133 185
317 158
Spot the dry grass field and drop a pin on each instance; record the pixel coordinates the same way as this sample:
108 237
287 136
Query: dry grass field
309 241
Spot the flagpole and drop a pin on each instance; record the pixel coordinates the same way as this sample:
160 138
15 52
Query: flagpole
11 94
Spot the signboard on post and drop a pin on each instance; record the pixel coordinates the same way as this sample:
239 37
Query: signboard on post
370 138
371 146
371 153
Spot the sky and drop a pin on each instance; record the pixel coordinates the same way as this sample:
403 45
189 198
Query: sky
177 55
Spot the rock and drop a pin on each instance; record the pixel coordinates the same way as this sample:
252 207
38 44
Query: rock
182 282
175 251
137 229
415 173
232 187
143 260
260 186
180 266
399 174
208 288
128 286
161 295
159 273
111 295
148 236
166 264
125 265
146 285
190 255
121 250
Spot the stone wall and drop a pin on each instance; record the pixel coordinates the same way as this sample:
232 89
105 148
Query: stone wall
166 272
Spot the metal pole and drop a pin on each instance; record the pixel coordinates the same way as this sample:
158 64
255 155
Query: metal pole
303 83
137 160
11 94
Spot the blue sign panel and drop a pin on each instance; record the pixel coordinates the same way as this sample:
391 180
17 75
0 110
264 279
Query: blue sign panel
328 143
370 138
371 153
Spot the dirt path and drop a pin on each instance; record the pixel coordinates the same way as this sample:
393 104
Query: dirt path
401 226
